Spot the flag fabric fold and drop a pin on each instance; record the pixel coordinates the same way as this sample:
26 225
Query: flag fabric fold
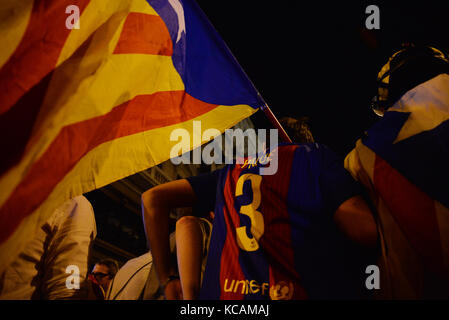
403 161
81 108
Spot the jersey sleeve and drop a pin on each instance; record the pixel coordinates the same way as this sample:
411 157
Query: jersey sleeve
205 188
336 183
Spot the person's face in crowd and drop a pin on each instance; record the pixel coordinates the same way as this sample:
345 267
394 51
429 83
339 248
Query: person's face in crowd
101 273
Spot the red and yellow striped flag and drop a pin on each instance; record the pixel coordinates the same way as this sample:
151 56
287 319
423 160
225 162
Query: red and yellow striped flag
81 108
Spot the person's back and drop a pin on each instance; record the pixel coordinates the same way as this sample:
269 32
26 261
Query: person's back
274 236
60 245
288 235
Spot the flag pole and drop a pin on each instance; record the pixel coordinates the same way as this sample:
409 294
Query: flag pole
274 121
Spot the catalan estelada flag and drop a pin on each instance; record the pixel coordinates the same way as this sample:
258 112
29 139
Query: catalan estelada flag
404 162
81 108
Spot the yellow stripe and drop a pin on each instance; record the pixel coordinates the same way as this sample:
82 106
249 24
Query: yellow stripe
75 95
93 80
14 17
142 6
106 164
118 79
360 163
367 159
18 241
98 14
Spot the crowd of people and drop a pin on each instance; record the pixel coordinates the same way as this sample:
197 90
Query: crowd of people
312 229
309 231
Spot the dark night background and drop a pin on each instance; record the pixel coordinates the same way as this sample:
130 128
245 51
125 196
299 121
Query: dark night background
317 59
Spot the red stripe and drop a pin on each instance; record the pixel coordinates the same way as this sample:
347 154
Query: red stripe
277 240
140 114
230 265
16 124
38 52
146 34
414 212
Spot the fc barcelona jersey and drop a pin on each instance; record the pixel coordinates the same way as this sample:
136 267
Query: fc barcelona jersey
273 235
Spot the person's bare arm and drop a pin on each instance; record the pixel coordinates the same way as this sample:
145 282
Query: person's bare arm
156 205
189 245
356 220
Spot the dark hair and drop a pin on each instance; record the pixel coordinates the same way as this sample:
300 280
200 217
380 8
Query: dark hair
420 67
297 129
111 264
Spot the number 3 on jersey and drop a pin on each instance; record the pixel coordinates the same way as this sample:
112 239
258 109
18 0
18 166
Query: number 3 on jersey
257 225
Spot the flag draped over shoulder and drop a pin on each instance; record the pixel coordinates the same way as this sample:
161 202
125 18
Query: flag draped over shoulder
81 108
404 162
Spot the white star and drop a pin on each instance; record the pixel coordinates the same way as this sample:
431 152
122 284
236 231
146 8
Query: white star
428 104
177 6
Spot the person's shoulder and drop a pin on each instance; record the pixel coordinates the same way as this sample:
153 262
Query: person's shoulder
82 203
138 261
320 147
80 200
206 176
74 203
309 147
319 152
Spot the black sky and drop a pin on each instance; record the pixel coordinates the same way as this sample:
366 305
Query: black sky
318 59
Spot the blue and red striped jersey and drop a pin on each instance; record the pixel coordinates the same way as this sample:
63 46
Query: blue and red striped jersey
273 235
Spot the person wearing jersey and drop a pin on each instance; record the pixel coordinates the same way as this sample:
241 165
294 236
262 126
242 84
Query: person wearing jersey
299 233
